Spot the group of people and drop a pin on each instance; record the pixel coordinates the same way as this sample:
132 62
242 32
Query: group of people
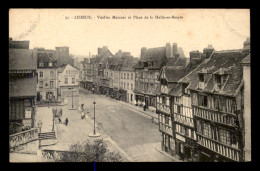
65 122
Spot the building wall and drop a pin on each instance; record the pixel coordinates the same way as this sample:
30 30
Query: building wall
69 73
247 111
127 79
44 82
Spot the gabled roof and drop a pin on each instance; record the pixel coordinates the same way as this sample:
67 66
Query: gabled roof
22 59
62 67
129 66
228 59
22 87
173 73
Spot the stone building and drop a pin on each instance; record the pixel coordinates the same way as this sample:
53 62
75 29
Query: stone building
47 86
68 83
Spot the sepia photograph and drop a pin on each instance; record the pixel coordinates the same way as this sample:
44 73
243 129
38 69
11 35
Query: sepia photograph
129 85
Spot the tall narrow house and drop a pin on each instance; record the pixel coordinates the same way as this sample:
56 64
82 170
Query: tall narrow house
216 90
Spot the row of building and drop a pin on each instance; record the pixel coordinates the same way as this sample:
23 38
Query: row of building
37 76
202 102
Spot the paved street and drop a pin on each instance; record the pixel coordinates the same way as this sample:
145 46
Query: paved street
135 134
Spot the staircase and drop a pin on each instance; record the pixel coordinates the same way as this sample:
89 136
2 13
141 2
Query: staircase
47 135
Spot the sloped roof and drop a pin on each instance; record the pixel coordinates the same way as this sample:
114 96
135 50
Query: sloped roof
129 66
22 87
246 60
44 57
219 60
173 73
176 91
62 67
22 59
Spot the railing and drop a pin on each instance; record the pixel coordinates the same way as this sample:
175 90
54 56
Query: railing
165 128
183 120
220 148
24 137
163 108
215 116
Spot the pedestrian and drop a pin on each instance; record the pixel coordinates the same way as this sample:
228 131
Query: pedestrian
61 111
60 121
82 115
66 121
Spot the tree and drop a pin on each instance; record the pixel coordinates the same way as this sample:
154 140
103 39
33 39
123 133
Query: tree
90 151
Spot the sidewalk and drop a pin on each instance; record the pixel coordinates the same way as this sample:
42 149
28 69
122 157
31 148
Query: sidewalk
158 148
26 158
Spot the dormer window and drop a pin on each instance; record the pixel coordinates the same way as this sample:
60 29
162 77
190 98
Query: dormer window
201 78
140 63
50 64
41 64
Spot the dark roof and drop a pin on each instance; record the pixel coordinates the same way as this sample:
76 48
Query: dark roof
62 67
45 58
176 91
19 44
22 87
228 59
22 59
173 73
129 66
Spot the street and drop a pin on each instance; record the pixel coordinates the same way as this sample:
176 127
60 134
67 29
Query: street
132 132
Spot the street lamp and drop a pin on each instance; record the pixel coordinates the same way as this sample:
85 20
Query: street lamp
71 88
40 126
94 133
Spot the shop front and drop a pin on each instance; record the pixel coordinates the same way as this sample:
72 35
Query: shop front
168 144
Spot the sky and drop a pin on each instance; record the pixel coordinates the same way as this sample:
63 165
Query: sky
191 29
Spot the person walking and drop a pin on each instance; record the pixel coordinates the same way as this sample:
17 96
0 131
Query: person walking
66 121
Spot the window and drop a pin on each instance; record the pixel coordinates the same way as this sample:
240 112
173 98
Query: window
225 136
166 120
100 65
131 86
131 76
203 101
205 129
124 76
111 74
124 85
163 100
40 84
41 64
51 74
73 80
127 85
66 80
51 84
218 79
131 97
178 109
41 74
50 64
127 75
198 123
201 77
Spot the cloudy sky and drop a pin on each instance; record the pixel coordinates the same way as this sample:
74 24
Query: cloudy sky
194 30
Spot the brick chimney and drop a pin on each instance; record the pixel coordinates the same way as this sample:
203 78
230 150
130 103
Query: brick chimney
168 50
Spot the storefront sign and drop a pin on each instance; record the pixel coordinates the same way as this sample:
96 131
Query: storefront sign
179 137
28 112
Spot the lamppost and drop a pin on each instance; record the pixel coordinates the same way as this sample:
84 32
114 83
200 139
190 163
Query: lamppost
40 127
94 132
71 88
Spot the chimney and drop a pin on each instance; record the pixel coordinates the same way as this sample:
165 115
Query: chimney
143 51
174 49
168 50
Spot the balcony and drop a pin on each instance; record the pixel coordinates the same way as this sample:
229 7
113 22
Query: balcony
183 120
165 128
220 148
227 119
22 138
163 108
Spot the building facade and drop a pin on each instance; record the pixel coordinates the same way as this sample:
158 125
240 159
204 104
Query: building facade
68 77
47 87
22 86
